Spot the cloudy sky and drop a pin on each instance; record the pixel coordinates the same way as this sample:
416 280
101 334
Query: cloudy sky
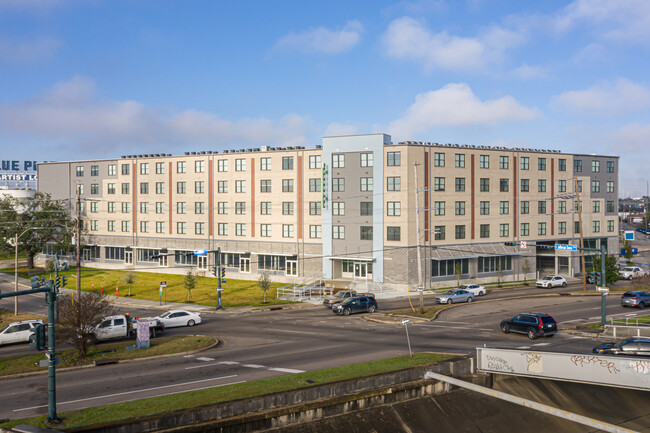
102 78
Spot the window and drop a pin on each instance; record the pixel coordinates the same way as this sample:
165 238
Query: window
94 188
484 161
111 207
610 166
561 186
265 185
240 229
541 164
485 208
314 161
93 207
160 207
315 232
504 207
240 207
199 207
609 206
94 225
460 232
561 228
394 208
126 188
595 186
525 229
240 164
541 207
314 208
576 227
484 184
112 169
541 228
338 208
287 208
595 206
494 264
160 187
610 225
126 226
460 208
160 227
504 185
438 183
338 160
287 230
111 226
265 208
438 159
160 168
504 230
439 233
222 229
314 185
338 184
366 233
144 207
265 164
181 187
393 234
541 185
596 226
144 168
393 159
180 228
393 183
240 186
199 187
439 208
485 230
199 166
609 186
366 208
199 228
144 188
525 163
181 207
460 184
579 186
80 188
595 166
504 162
287 185
525 185
577 165
338 232
561 164
287 163
459 160
561 206
94 170
367 160
181 167
441 268
222 165
125 169
366 183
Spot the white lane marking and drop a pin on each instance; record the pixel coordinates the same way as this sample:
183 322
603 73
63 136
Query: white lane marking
293 332
449 321
228 362
523 347
286 370
188 356
204 358
138 390
433 325
253 366
212 365
541 344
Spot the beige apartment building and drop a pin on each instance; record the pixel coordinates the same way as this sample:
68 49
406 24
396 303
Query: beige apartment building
349 209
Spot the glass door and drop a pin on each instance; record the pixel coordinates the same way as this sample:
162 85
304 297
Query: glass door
292 267
245 264
162 261
203 263
128 257
86 255
360 270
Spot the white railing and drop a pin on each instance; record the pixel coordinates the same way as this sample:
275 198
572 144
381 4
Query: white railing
309 288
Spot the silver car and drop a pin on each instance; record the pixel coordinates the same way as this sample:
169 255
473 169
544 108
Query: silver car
454 296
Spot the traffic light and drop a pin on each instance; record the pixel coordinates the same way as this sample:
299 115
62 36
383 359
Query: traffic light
545 247
64 281
223 274
510 244
598 278
214 271
57 282
37 338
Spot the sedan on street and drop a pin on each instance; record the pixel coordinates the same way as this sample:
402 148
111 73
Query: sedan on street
454 296
475 289
358 304
635 298
630 346
533 324
179 318
551 281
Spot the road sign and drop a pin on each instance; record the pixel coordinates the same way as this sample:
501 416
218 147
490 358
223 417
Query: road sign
603 289
523 244
220 290
163 284
565 247
200 252
635 251
405 321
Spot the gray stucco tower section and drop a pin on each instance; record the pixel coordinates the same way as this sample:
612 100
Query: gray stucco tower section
355 144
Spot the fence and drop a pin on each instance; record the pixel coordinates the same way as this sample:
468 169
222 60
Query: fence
307 289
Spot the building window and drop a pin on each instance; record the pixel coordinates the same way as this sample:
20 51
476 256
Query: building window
393 234
199 228
485 208
93 207
367 160
576 227
504 230
240 229
460 232
199 166
125 169
460 208
144 168
541 207
366 208
525 229
94 225
439 233
561 228
199 187
315 208
561 164
144 207
541 185
287 230
609 206
459 160
160 227
595 166
315 232
287 163
504 162
595 186
240 207
394 183
287 185
493 264
94 188
596 226
438 159
126 188
222 229
484 184
541 229
181 207
181 167
393 159
160 207
577 165
94 170
485 230
595 206
287 208
144 188
525 163
439 208
609 186
394 208
222 165
610 226
504 207
366 183
314 161
111 226
265 164
181 228
525 185
338 208
484 161
160 168
160 187
441 268
240 164
541 164
265 185
561 186
110 207
199 207
610 166
338 232
112 169
240 186
338 160
561 206
265 208
504 185
181 187
460 184
579 186
366 233
126 226
314 185
338 184
438 183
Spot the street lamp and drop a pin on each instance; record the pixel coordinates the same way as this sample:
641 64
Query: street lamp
16 266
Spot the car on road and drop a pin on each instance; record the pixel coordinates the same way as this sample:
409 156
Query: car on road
635 298
179 318
18 332
551 281
454 296
358 304
629 272
475 289
631 346
533 324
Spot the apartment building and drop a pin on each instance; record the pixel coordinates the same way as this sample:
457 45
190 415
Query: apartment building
355 207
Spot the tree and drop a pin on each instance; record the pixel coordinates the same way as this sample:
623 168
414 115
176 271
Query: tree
525 268
39 221
76 322
458 271
499 273
264 283
611 268
627 246
130 279
189 282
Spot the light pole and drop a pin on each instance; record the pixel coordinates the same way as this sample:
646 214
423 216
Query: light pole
16 266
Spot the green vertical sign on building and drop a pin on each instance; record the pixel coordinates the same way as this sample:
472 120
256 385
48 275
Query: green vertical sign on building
325 186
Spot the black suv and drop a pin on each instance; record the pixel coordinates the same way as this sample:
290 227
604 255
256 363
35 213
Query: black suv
533 324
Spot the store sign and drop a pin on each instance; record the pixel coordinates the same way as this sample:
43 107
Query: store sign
18 165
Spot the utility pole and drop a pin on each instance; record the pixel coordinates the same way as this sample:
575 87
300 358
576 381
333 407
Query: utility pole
78 245
16 277
582 241
417 229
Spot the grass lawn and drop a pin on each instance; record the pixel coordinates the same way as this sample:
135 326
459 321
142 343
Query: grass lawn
147 285
172 402
159 346
429 312
7 315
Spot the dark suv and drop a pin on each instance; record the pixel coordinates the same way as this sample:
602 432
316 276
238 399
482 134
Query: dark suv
358 304
533 324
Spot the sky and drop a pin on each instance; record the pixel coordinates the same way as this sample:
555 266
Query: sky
91 79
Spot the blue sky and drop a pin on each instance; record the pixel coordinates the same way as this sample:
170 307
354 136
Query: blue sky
103 78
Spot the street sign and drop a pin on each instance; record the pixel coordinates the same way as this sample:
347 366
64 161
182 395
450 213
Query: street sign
523 244
405 321
565 247
629 235
635 251
163 284
603 289
220 290
200 252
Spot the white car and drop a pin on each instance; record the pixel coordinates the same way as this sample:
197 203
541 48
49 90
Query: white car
474 289
179 318
550 282
18 332
630 272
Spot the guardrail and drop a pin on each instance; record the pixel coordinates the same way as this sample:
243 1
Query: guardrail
309 288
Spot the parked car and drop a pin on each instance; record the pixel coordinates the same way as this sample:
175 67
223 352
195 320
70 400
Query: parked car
630 346
18 332
551 281
179 318
634 298
475 289
124 326
533 324
358 304
340 296
630 272
454 296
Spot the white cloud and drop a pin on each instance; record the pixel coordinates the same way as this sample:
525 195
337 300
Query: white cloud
632 140
407 38
528 72
456 105
27 51
623 97
339 129
71 112
323 40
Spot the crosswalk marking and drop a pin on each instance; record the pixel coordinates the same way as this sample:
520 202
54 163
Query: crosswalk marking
541 344
253 366
204 358
287 370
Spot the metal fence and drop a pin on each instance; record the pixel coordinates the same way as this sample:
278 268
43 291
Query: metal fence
310 288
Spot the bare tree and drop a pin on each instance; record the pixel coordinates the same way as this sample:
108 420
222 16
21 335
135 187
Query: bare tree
189 282
525 268
264 283
458 270
129 279
78 317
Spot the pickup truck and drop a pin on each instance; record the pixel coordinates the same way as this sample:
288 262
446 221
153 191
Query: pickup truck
123 326
630 272
341 296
